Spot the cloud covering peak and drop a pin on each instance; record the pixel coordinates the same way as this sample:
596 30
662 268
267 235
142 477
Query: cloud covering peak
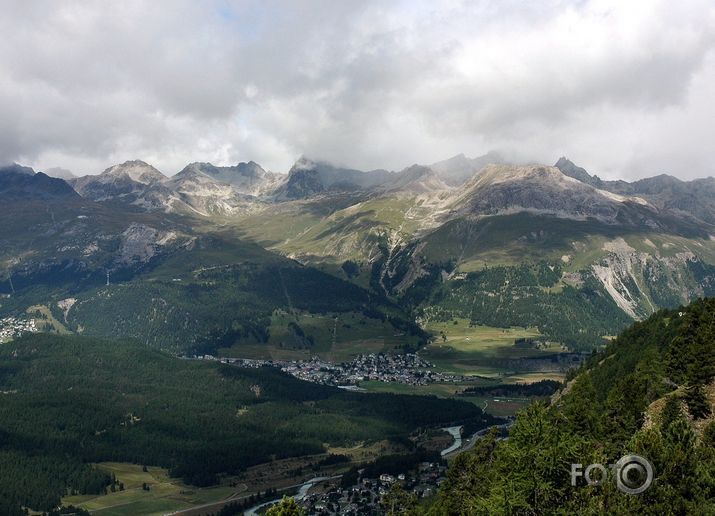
624 88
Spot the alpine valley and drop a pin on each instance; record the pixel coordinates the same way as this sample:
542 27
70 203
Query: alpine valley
551 248
450 295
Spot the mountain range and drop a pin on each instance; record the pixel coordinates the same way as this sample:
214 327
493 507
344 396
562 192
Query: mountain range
552 247
502 187
223 189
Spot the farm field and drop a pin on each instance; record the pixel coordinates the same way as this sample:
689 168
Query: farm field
486 351
165 494
435 389
500 407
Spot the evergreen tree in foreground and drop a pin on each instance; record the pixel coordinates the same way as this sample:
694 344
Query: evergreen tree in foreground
286 507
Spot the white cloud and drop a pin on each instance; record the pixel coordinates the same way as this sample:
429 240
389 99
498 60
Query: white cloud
623 88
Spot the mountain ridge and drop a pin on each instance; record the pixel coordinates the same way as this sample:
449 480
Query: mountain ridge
23 183
458 169
616 251
695 197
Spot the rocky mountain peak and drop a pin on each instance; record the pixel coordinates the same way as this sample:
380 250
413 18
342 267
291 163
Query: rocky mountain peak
251 169
246 177
136 170
457 169
15 168
127 181
303 180
416 179
303 163
570 169
308 177
501 189
193 169
563 161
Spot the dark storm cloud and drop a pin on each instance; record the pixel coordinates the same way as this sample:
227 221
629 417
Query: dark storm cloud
621 87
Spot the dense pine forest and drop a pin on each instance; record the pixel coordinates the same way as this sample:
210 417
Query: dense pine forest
218 306
649 392
68 402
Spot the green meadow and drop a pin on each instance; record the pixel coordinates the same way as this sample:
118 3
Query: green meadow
459 348
164 494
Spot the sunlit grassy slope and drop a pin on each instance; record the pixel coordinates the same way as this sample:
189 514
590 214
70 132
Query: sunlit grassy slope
165 494
351 232
481 350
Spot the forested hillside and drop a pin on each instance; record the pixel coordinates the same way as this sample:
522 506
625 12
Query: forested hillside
650 392
578 315
215 307
212 291
66 402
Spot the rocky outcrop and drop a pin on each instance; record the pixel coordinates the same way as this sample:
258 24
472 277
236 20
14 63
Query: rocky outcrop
245 178
140 243
642 282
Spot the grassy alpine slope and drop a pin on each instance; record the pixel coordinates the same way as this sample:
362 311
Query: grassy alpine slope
650 392
437 264
69 401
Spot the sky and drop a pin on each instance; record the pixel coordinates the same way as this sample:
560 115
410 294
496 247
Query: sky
624 89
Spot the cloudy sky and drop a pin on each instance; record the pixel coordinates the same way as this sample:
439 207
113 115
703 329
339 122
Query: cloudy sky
625 89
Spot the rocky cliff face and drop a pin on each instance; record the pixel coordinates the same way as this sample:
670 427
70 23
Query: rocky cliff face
140 243
302 182
642 282
308 178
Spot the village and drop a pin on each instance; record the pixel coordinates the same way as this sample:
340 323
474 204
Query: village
409 369
365 497
12 327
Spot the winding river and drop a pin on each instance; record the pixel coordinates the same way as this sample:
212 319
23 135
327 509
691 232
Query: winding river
456 433
302 493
